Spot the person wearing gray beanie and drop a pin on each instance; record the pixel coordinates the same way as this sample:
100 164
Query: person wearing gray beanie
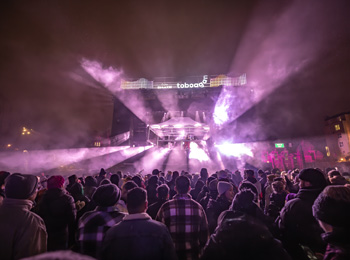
23 233
93 225
226 194
332 210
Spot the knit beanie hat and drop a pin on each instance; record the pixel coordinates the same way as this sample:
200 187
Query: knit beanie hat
213 185
55 181
73 178
106 195
20 186
223 186
105 181
90 181
314 176
332 206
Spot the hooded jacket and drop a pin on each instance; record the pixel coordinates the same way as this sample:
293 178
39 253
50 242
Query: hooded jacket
23 232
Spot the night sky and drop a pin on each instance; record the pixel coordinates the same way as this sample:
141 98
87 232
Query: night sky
295 53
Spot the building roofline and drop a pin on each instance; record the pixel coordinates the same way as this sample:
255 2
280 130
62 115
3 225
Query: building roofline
335 116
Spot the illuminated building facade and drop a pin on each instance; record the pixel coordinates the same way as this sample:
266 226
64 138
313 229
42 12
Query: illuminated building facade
337 130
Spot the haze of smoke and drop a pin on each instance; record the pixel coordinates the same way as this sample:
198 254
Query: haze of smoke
153 159
274 50
111 79
37 161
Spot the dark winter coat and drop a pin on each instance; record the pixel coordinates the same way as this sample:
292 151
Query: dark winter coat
242 237
214 209
298 225
59 213
338 247
154 208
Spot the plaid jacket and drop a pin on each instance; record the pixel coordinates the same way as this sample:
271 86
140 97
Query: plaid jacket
92 227
187 223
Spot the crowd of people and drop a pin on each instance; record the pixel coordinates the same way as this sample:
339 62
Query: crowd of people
177 215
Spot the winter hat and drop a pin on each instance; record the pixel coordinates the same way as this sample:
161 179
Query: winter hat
106 195
73 178
115 179
20 186
242 200
249 186
105 181
314 176
222 174
76 189
102 172
90 181
223 186
332 206
333 173
55 181
137 180
213 185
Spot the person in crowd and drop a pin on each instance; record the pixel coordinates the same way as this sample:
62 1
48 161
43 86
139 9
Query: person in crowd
82 181
22 232
171 184
121 205
204 175
299 229
105 181
163 196
332 211
277 199
137 179
90 186
211 194
194 178
115 179
252 187
3 176
93 225
262 177
59 213
138 236
71 181
186 221
244 202
226 193
250 176
197 189
268 191
119 173
335 178
168 176
155 172
152 189
82 202
241 236
292 181
222 174
237 178
101 176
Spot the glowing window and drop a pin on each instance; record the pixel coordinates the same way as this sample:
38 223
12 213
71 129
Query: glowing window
337 127
328 152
